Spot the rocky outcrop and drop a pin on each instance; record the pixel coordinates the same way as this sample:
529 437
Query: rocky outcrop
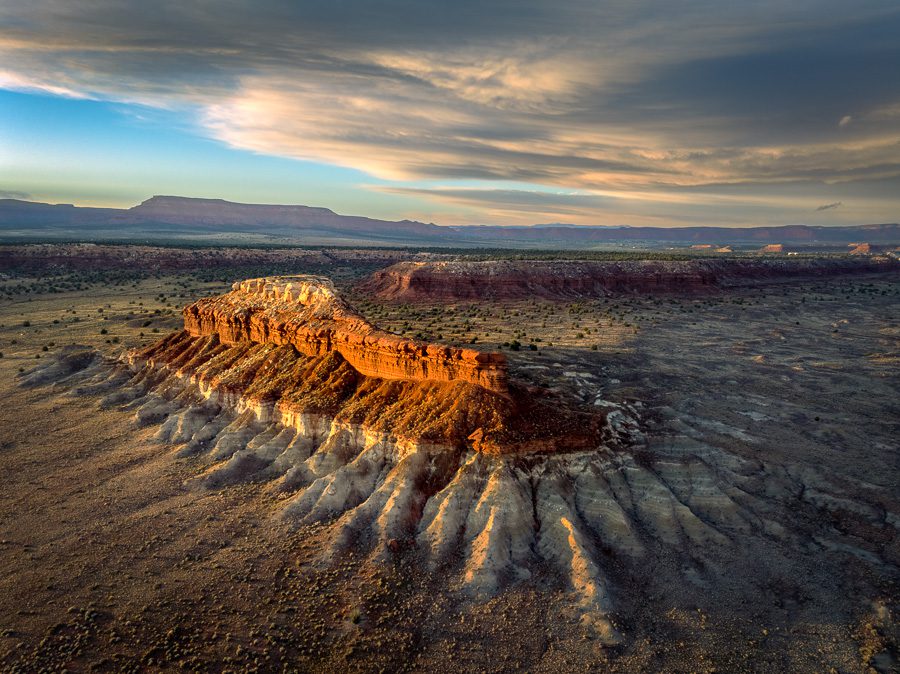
279 384
305 312
289 347
562 279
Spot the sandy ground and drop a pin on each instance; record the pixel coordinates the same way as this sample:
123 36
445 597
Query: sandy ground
109 562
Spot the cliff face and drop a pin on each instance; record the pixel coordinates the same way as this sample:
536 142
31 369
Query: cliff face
455 281
306 313
278 384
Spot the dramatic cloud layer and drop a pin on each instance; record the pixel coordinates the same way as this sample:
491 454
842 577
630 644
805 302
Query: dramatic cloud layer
624 111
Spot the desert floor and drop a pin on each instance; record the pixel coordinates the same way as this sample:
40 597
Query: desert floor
109 561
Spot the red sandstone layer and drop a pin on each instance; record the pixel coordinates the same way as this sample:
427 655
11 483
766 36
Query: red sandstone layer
456 414
305 312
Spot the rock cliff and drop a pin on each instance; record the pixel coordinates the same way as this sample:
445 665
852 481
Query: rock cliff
279 384
306 313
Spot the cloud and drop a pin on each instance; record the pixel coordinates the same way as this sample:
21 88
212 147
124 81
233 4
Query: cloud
720 204
525 201
631 100
16 82
15 194
828 207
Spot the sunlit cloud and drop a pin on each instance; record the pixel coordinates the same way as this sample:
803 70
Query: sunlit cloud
17 82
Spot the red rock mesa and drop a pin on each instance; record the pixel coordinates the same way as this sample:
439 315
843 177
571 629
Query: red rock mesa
285 347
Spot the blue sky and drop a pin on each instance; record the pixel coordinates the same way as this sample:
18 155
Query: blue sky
491 112
69 150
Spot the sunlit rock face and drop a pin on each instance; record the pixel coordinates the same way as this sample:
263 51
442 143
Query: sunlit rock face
305 312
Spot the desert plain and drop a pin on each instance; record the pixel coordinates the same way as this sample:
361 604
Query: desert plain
756 497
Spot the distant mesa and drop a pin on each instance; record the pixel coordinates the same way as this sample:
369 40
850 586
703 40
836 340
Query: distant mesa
561 279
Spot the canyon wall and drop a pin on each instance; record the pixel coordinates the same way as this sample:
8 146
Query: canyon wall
306 312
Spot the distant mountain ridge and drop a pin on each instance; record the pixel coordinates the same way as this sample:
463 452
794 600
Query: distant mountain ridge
174 216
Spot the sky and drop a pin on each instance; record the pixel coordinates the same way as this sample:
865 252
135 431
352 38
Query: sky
629 112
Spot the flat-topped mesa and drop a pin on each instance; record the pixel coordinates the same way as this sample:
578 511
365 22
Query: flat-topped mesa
307 313
467 280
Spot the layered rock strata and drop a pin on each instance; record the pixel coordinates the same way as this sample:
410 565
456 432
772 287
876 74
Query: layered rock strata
279 384
306 313
561 279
